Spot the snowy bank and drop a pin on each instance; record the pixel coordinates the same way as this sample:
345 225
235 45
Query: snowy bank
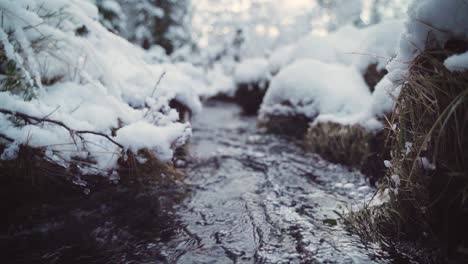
331 91
429 82
312 88
361 54
63 66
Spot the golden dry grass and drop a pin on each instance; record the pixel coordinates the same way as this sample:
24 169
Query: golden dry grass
430 157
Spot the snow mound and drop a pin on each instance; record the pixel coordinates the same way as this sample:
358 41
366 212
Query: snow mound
313 88
253 70
349 45
429 20
379 45
384 97
457 62
280 58
76 72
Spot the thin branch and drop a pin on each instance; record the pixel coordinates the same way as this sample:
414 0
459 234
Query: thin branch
7 138
100 134
51 113
59 123
377 56
157 83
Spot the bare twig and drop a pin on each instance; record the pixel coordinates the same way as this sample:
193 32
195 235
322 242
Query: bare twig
157 83
377 56
6 138
48 115
72 132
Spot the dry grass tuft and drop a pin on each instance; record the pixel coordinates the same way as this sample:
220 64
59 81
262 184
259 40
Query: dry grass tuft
351 145
295 126
428 180
430 150
337 143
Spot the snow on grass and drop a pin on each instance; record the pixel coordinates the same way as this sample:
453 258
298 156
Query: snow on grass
315 88
348 45
253 70
321 77
457 62
161 140
429 20
86 77
379 45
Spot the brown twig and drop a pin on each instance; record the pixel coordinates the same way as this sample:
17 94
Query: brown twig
158 82
6 138
72 132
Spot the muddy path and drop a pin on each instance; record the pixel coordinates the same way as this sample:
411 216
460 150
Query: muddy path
258 198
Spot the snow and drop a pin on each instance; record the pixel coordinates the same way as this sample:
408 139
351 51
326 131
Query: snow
254 70
384 97
379 45
428 20
349 45
101 83
457 63
432 20
314 88
112 6
321 76
162 140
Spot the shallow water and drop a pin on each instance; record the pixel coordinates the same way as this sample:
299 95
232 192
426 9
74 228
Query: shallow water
258 198
248 197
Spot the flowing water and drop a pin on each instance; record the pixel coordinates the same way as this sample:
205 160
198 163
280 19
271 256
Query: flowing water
247 197
258 198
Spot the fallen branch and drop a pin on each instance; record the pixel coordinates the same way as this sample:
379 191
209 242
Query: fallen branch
29 118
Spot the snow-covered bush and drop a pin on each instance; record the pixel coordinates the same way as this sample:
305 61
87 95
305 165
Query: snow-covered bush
91 96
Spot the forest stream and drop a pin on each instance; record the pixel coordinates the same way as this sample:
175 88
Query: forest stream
259 198
246 197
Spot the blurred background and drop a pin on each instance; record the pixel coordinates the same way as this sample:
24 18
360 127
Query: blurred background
217 29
